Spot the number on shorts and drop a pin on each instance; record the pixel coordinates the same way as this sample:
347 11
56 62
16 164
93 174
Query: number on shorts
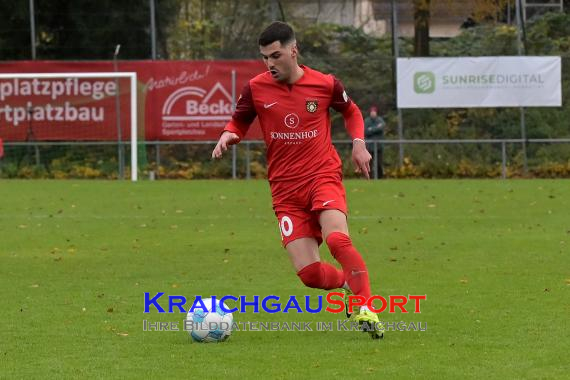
286 226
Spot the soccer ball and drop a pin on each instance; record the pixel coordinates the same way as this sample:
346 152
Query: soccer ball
209 326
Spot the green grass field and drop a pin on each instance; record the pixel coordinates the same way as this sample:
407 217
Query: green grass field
493 258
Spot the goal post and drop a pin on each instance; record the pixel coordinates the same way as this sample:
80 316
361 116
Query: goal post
131 76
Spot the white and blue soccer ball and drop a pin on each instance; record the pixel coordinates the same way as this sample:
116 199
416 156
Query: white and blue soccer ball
209 326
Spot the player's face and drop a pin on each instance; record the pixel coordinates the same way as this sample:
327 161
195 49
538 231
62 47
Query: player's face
280 59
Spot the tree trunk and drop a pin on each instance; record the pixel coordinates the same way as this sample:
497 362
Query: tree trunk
421 28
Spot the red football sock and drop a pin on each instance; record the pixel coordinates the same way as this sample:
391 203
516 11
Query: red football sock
352 264
322 276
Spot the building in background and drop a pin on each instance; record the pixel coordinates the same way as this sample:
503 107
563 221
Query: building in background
374 16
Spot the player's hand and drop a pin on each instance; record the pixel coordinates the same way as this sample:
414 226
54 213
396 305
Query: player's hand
361 158
226 139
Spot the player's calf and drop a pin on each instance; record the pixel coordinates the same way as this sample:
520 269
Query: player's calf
351 261
321 276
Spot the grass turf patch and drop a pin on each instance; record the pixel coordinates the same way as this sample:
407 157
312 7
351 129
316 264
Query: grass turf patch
76 257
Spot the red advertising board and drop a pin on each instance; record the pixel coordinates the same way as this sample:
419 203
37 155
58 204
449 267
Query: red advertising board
177 100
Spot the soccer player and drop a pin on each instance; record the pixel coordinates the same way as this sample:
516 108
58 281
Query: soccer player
292 103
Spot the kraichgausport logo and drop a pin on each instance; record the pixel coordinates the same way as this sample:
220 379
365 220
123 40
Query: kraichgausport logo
424 82
275 304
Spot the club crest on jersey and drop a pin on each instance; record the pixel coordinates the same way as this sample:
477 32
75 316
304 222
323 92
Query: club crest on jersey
312 105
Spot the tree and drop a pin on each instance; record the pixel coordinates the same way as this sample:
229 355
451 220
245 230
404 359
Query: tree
83 29
481 11
216 29
421 28
15 38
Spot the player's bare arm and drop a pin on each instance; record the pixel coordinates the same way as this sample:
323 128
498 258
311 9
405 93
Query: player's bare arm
361 157
226 139
354 124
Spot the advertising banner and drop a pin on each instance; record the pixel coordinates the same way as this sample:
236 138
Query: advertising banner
479 82
178 100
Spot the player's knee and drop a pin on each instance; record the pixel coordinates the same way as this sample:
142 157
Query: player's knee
311 275
338 240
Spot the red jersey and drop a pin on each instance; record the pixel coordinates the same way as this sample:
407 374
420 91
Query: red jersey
295 121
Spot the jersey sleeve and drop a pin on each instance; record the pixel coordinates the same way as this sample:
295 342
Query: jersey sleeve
244 113
353 121
340 100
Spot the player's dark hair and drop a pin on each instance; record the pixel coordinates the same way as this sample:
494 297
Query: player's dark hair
277 31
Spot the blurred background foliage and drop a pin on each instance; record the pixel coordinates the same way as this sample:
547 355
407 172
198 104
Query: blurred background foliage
228 29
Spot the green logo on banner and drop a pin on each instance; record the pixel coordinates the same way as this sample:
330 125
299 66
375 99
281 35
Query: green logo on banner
424 82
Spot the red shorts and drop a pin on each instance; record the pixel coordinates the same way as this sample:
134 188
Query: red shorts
298 205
